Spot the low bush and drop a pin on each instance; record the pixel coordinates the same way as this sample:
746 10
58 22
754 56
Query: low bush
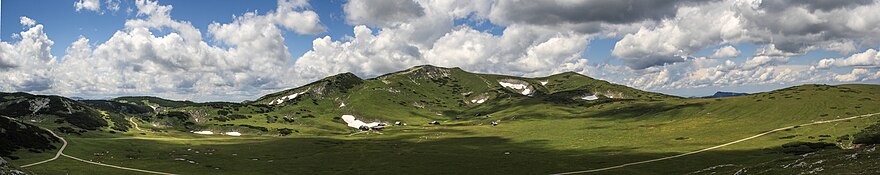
869 135
799 148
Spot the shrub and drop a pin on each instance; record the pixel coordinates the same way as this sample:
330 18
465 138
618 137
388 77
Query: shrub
869 135
17 135
264 129
271 119
87 119
799 148
285 131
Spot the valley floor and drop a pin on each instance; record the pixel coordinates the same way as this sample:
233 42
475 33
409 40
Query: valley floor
514 147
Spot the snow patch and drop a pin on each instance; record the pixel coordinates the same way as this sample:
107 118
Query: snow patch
523 88
543 83
590 97
285 98
351 121
204 132
479 100
233 133
513 85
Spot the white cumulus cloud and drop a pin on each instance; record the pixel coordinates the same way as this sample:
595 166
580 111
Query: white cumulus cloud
178 64
869 58
725 52
93 5
381 12
858 75
25 64
25 21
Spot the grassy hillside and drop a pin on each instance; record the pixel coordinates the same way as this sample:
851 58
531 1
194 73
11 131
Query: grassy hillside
21 113
559 123
152 101
817 158
427 93
42 108
126 108
19 135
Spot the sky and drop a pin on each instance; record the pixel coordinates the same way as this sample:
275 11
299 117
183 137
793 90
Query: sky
234 50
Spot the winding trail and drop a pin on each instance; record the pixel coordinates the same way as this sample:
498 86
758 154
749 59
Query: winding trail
714 147
58 154
130 120
117 167
173 139
61 153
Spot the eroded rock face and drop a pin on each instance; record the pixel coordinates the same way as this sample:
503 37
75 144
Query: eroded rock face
8 169
37 104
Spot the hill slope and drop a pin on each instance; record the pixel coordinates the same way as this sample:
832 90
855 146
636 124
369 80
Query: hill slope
18 135
568 121
41 107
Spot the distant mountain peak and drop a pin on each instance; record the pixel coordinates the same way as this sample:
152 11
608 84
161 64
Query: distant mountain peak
720 94
434 82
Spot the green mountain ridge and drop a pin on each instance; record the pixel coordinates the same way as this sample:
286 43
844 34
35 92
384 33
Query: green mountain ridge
561 118
461 81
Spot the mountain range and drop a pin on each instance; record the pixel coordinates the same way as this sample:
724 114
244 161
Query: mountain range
561 118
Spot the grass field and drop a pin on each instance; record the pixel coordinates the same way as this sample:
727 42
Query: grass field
547 132
534 147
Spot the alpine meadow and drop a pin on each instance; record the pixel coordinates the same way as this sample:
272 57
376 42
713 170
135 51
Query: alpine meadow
440 87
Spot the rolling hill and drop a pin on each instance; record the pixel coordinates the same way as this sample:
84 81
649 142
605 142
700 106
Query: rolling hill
485 124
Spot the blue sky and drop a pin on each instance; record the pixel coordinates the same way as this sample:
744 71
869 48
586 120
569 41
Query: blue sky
64 24
640 50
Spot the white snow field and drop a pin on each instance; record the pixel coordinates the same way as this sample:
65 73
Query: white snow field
590 97
523 88
479 100
204 132
355 123
285 98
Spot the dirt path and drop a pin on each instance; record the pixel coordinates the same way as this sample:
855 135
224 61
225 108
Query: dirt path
61 153
175 139
131 120
714 147
114 166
